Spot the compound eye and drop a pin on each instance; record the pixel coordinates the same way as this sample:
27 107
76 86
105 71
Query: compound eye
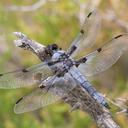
54 47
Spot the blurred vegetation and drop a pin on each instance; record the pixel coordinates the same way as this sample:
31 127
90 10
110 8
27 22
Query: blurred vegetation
58 21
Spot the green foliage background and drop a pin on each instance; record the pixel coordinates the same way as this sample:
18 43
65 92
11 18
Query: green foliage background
56 22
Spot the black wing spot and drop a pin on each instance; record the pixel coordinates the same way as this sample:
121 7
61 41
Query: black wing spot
99 49
1 75
82 31
19 100
89 14
118 36
82 60
25 70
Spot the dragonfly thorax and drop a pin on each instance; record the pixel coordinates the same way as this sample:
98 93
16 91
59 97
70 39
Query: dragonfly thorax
57 55
63 66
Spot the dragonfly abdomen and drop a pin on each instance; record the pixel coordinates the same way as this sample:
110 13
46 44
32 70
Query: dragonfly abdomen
76 74
93 92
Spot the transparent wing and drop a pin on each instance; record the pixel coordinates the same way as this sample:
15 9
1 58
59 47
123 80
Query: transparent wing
25 77
42 96
105 57
89 31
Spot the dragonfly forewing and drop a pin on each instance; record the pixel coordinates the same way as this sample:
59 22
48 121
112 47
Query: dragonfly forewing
25 77
89 31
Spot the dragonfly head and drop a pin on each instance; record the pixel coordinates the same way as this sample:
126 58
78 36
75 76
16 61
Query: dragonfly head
49 51
54 51
53 47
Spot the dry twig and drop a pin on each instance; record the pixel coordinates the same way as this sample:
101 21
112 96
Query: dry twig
29 8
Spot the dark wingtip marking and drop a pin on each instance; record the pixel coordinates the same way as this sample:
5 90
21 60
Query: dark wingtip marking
89 14
118 36
99 49
82 31
19 100
24 70
1 75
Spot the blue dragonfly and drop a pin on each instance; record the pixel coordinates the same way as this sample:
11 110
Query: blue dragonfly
60 71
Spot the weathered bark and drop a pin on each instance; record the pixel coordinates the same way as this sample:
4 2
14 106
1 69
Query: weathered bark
77 98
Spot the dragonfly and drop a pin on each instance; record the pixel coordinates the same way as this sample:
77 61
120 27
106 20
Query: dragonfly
60 71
